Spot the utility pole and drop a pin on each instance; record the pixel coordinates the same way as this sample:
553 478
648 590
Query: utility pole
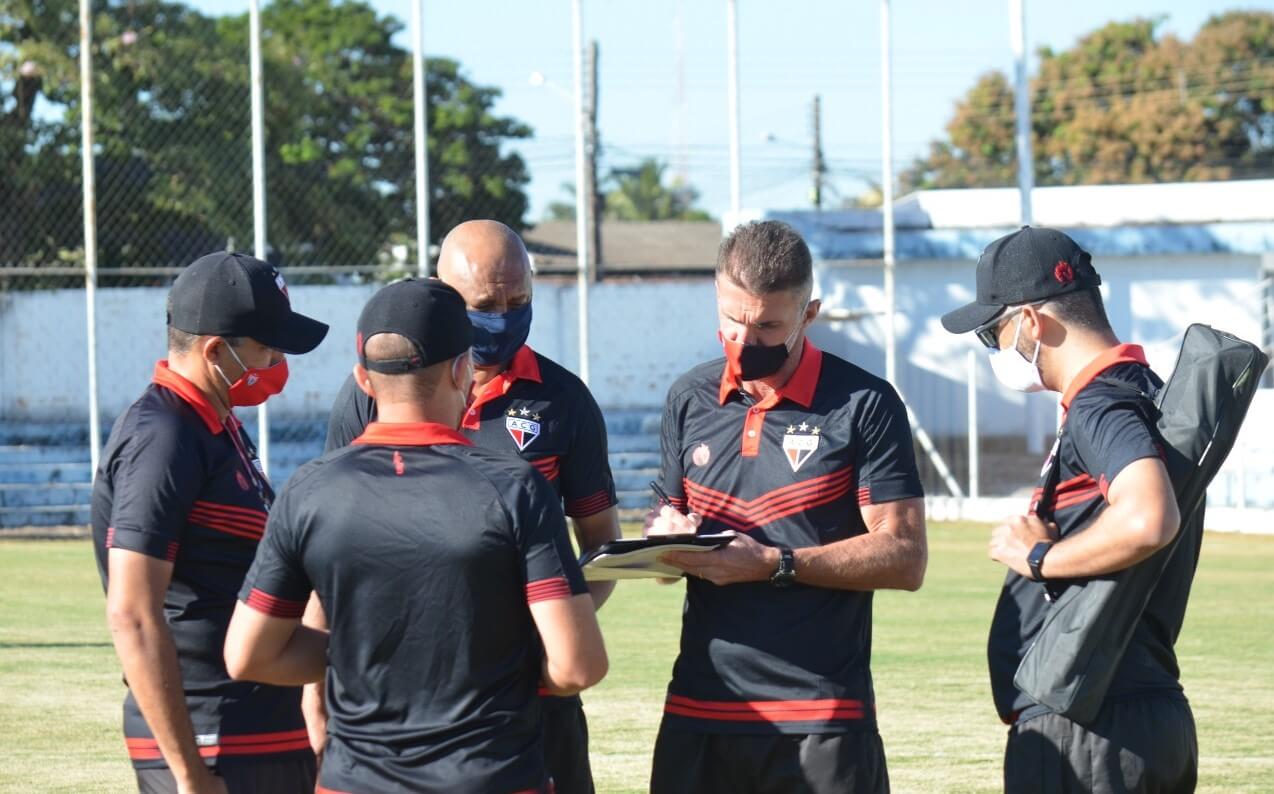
592 146
682 166
819 167
582 209
732 95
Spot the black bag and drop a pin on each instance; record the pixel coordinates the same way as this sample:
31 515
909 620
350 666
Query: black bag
1070 665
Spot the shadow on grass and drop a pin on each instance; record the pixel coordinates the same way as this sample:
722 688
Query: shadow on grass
29 645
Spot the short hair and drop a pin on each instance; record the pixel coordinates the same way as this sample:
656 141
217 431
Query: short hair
417 386
1081 309
766 256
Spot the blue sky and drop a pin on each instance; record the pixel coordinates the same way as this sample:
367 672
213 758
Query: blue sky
789 52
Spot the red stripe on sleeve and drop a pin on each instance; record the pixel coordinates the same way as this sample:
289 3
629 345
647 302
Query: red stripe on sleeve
274 606
547 589
588 505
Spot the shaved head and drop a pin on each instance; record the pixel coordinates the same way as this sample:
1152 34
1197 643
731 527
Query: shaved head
487 263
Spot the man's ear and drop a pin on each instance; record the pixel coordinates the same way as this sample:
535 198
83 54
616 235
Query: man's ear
207 347
1032 324
459 375
812 309
363 380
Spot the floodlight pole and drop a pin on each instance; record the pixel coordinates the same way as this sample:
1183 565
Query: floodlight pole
582 200
420 108
732 77
1022 109
1025 158
90 229
887 191
258 191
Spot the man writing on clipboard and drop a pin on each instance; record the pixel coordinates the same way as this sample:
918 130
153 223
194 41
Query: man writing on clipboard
809 459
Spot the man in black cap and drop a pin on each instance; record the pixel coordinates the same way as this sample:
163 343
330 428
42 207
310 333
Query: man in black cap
1040 314
444 570
179 505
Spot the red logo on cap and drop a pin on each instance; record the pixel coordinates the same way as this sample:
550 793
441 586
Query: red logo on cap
358 340
1064 273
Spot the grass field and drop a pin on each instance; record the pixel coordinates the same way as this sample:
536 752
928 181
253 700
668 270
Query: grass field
60 687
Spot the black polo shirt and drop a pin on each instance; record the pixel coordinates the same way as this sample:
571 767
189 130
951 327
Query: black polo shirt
535 409
792 469
178 484
425 552
1105 430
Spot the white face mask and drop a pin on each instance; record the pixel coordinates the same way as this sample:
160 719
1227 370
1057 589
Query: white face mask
1014 371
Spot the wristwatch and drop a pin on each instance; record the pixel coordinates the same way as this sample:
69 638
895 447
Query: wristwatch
785 574
1035 558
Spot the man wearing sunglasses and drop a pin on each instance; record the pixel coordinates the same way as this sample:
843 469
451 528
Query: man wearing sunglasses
1040 314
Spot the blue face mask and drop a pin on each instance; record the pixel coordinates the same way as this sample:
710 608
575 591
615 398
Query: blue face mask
497 337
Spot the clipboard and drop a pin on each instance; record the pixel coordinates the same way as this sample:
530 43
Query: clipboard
638 558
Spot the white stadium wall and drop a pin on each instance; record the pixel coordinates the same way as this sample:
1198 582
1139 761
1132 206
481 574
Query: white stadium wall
643 334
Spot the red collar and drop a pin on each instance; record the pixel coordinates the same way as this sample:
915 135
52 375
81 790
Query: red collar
524 366
190 393
409 434
799 388
1119 354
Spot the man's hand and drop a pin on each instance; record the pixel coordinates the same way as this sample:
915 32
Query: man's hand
202 781
313 705
667 520
741 560
1013 540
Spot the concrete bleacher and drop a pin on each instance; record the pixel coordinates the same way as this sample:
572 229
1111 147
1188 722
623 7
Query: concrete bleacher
45 477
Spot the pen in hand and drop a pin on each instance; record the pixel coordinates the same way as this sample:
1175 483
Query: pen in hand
662 495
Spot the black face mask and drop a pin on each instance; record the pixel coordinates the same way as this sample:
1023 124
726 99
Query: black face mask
753 362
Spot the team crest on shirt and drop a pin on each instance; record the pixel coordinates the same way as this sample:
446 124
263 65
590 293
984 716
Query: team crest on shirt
799 443
701 455
523 425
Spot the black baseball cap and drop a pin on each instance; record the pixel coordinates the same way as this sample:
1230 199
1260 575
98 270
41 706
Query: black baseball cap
430 314
233 294
1026 266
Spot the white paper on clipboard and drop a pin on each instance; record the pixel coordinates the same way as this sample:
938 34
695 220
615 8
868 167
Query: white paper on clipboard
639 558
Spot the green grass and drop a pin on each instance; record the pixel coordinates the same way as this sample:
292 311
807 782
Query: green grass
60 689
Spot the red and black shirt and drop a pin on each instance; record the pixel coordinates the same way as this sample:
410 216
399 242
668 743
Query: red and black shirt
178 484
792 469
425 552
1106 428
535 409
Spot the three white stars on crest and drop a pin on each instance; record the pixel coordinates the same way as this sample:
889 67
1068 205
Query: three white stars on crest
804 427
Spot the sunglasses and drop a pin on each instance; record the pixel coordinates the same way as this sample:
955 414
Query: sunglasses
989 332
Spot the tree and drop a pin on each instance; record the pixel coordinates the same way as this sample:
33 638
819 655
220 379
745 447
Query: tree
562 210
172 123
1125 104
639 194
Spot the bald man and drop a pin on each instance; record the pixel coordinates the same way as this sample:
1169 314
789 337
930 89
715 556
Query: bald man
523 403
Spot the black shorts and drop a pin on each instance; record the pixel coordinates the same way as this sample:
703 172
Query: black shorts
566 745
695 763
294 773
1146 746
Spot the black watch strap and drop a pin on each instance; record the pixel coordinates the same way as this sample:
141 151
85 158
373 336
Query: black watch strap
785 574
1035 559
